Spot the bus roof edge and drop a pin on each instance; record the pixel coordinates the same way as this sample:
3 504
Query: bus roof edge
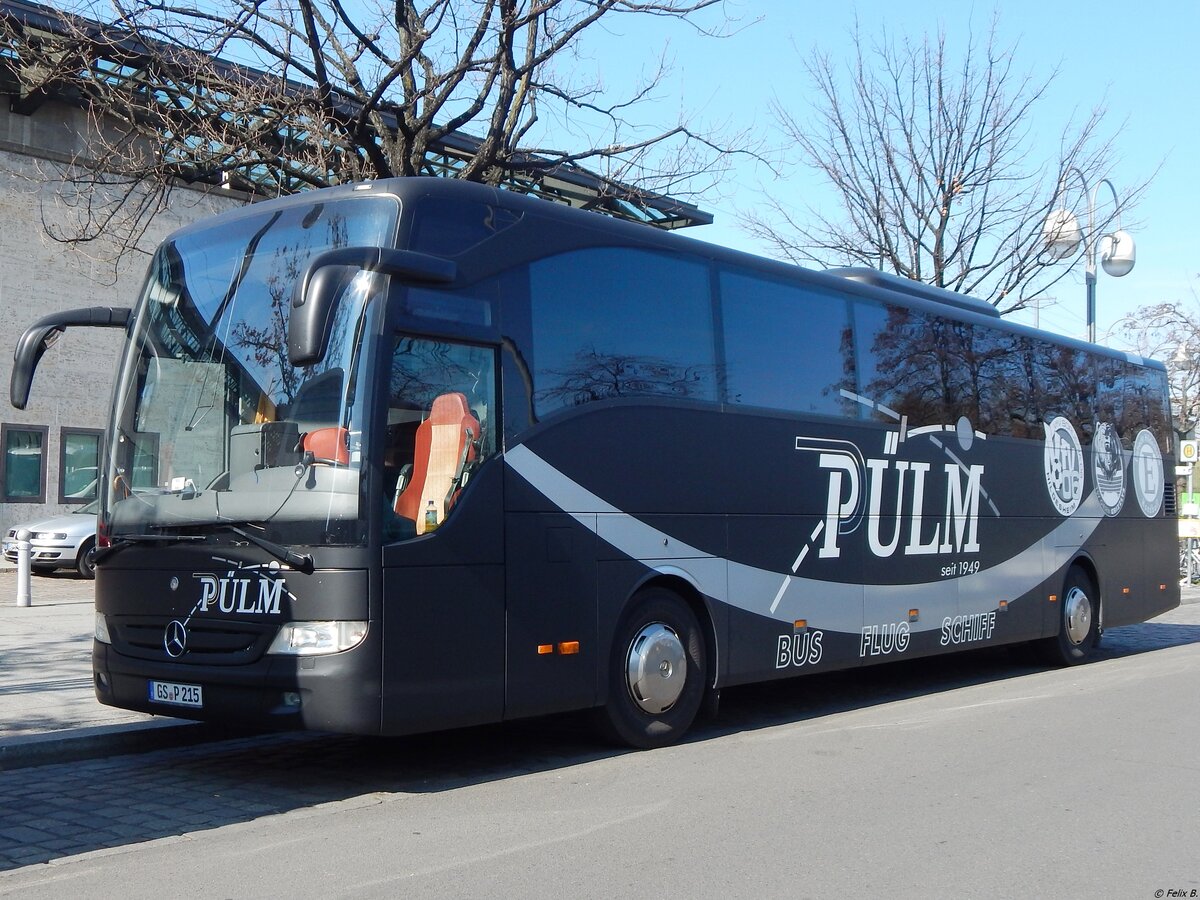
912 288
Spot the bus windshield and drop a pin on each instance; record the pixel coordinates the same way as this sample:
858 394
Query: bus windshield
213 425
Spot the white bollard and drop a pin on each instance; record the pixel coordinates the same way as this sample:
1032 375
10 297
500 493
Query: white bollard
24 593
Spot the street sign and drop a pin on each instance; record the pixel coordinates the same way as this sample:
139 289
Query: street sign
1189 451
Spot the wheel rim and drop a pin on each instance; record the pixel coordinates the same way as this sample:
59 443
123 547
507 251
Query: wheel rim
1078 614
656 668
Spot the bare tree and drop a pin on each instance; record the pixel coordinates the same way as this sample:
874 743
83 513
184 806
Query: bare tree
1171 332
274 96
934 160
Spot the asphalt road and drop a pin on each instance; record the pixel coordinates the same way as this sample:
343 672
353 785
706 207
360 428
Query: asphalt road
966 776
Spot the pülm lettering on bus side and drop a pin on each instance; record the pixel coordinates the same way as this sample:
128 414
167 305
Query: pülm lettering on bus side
957 532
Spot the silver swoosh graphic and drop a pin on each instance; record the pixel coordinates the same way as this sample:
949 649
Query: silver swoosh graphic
786 597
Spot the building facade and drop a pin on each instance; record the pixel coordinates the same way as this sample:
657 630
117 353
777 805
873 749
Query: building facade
50 451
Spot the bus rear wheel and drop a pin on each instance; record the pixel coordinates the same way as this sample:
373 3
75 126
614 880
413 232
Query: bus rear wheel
1079 623
656 672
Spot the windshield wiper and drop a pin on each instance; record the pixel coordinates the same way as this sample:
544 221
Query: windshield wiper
121 541
301 561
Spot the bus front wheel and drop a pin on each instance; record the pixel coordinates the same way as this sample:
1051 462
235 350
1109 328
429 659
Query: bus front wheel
656 673
1079 622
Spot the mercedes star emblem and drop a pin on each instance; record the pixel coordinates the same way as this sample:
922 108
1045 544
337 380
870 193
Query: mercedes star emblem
175 639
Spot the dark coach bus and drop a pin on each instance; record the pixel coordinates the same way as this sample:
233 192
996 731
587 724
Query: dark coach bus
418 454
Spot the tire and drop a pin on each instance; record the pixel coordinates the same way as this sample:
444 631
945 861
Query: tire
657 672
1078 625
85 563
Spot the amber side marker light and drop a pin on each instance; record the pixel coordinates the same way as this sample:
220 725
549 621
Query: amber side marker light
544 649
1162 587
1054 598
1124 590
568 648
801 623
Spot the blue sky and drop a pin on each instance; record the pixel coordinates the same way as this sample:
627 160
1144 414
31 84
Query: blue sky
1138 60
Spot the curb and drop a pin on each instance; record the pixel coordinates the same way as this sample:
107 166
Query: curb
108 740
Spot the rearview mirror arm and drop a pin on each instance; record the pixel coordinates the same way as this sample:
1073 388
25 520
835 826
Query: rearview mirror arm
42 334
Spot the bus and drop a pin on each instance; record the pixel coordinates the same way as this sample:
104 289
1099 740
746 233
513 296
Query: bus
418 454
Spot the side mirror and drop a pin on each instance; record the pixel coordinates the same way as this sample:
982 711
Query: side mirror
320 288
42 334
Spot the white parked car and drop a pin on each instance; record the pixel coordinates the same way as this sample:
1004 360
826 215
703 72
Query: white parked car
63 542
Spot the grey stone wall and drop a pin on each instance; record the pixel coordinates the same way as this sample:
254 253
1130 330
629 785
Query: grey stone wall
74 381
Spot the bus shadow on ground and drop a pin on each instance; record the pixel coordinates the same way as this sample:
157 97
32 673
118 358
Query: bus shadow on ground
56 811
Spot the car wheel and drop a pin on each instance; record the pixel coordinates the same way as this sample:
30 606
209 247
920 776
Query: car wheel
656 672
85 563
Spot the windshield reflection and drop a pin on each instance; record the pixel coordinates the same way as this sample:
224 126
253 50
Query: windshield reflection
214 425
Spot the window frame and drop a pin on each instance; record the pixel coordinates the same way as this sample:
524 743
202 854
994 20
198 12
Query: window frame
6 428
63 434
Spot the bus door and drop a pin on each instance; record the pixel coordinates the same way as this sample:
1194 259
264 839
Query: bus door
443 537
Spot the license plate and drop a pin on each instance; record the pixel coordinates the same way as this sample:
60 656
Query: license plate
176 694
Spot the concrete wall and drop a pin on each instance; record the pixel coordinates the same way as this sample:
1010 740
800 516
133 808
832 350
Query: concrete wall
73 387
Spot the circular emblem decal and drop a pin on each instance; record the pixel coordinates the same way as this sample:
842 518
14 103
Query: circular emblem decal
1108 468
1064 466
1147 473
175 639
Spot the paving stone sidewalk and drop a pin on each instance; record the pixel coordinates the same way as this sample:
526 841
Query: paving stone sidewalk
47 703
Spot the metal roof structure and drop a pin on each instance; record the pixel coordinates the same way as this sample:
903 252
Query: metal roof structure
128 63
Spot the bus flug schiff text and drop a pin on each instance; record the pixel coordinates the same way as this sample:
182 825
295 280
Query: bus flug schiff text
419 454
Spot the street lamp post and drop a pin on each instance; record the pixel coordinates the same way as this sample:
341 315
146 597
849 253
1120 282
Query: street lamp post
1063 236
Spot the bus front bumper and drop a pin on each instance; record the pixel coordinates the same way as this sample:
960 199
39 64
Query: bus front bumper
339 692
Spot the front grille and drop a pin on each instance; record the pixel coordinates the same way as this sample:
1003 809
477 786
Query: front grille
210 642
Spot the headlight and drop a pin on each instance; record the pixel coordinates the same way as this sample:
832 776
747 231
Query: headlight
316 638
101 632
49 536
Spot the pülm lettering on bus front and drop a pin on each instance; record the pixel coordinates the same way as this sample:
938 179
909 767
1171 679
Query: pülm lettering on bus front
232 595
956 532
